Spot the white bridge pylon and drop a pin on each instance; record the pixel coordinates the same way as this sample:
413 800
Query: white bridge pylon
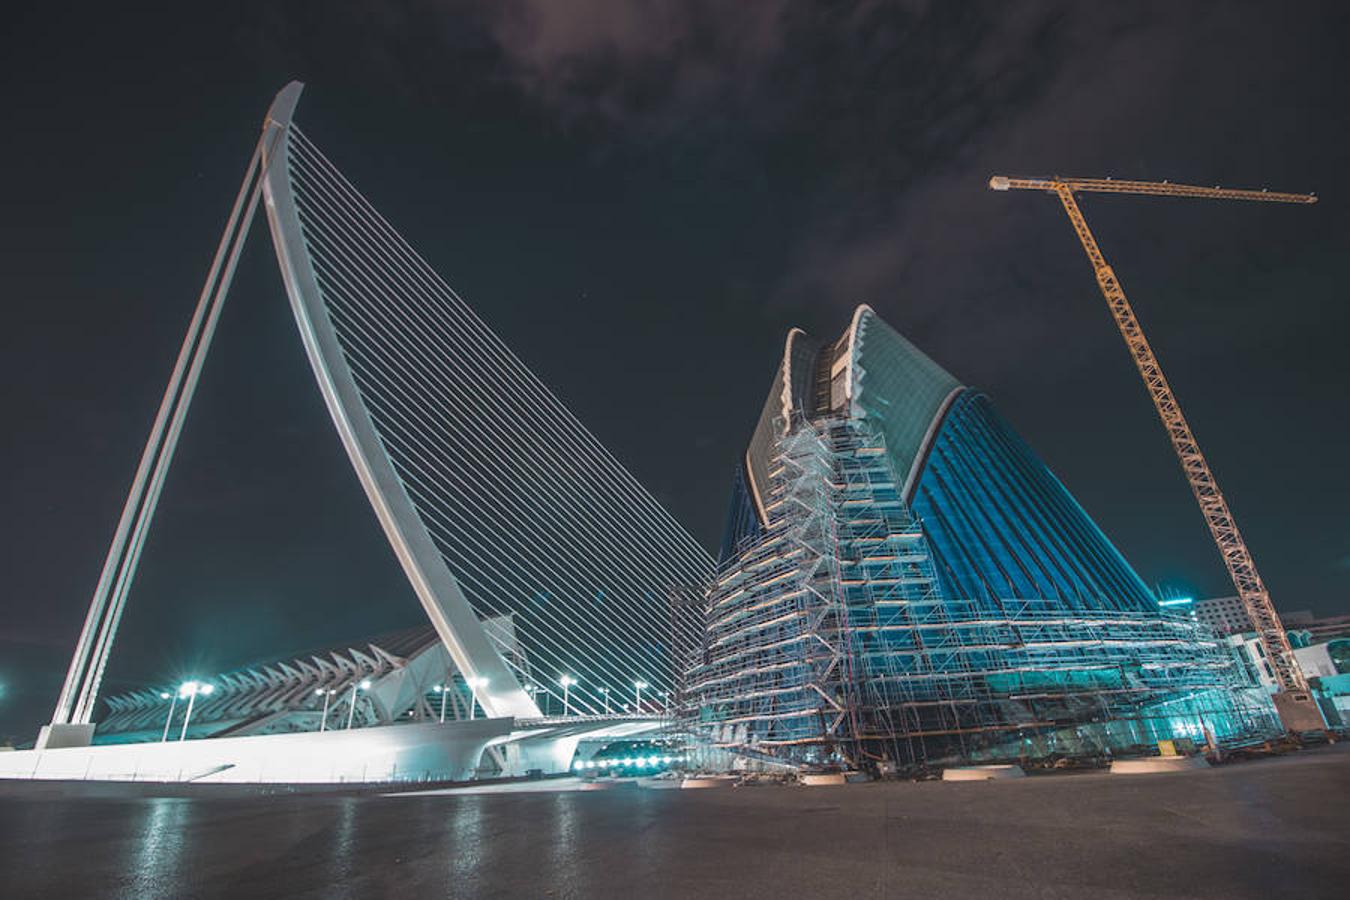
494 498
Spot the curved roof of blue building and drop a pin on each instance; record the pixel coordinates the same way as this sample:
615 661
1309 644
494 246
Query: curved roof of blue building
1001 526
874 373
898 386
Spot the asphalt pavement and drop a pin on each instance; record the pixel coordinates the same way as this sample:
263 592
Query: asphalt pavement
1269 828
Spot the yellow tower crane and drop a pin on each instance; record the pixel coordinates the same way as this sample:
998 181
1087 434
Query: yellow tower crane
1298 712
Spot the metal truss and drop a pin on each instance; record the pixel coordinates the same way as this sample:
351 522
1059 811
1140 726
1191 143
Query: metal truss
1236 556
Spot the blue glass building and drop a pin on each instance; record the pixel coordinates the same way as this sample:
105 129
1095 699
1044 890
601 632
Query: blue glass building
903 580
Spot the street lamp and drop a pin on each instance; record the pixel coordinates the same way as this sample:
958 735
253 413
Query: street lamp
637 689
478 681
567 681
605 693
173 701
190 690
351 707
444 692
327 694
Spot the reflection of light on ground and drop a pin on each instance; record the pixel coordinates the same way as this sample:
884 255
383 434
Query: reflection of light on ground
159 851
1211 828
566 848
343 849
464 848
542 786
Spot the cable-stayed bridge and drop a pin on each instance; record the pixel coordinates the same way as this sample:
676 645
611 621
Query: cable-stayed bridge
496 500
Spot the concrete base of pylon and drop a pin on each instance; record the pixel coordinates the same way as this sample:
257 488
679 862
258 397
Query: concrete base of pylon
57 736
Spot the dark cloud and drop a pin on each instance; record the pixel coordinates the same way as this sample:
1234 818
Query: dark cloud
892 116
887 117
653 68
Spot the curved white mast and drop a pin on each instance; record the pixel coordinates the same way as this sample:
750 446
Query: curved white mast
498 690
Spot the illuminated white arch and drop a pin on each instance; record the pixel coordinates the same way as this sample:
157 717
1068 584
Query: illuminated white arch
425 567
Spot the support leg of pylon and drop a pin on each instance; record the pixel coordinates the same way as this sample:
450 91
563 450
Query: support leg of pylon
70 725
59 735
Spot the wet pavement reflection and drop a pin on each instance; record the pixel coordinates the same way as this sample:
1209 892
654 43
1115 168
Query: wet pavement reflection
1256 830
157 868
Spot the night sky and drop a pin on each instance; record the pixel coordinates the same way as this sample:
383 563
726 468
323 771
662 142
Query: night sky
641 199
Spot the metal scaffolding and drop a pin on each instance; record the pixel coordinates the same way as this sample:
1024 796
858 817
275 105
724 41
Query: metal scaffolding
828 639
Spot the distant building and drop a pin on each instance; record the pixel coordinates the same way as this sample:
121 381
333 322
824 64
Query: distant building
1325 659
1318 629
902 579
1226 615
402 677
1326 665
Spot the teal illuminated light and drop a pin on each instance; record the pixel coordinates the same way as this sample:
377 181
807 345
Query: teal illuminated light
1177 601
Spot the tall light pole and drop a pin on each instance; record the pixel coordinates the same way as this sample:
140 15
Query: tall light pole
173 701
351 708
190 690
474 684
567 681
444 691
604 691
327 695
637 695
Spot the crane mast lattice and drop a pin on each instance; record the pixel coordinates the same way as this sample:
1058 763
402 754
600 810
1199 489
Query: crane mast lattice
1238 559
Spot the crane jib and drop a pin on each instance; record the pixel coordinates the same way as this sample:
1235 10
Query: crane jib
1148 188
